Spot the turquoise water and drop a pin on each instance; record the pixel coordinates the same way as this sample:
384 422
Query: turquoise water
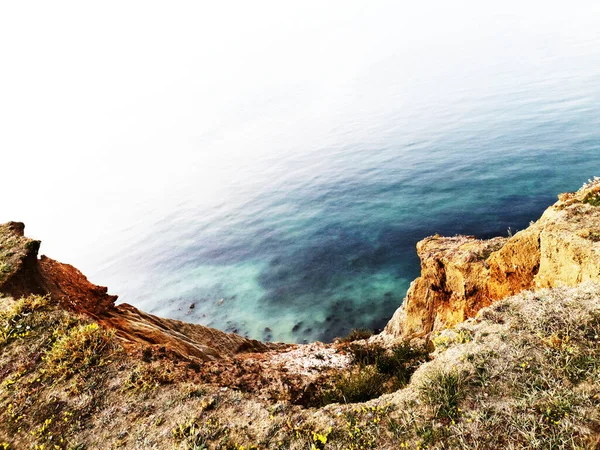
324 240
274 164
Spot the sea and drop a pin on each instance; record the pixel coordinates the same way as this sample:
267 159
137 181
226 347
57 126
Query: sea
271 176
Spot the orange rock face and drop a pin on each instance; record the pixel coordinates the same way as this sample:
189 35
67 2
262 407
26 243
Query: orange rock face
452 286
26 274
461 274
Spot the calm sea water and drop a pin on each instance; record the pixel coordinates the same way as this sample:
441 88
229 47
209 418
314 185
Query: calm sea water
281 191
321 242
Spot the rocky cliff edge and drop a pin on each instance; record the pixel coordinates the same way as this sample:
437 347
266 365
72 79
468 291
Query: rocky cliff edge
462 274
22 273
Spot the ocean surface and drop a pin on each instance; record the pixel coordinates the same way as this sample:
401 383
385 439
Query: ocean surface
312 245
288 208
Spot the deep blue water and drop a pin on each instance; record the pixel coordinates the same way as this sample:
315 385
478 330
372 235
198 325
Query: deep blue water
323 241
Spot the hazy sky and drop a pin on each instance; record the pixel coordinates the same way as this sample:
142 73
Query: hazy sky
108 106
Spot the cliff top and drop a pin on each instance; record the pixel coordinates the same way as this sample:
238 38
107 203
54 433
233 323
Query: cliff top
524 373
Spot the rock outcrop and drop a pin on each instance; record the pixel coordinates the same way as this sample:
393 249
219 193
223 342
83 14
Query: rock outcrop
462 274
22 273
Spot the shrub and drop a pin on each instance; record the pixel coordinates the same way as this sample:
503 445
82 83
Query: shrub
401 361
366 354
358 385
147 377
358 334
81 348
376 371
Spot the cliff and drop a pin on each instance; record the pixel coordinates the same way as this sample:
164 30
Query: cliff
462 274
513 357
22 273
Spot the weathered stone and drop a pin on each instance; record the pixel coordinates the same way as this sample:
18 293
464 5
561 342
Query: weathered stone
461 274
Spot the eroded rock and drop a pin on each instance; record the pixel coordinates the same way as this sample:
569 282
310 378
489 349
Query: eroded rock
25 274
461 274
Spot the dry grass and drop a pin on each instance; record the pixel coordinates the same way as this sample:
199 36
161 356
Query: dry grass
524 374
528 378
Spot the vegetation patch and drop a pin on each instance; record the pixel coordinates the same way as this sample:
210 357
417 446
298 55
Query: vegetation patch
188 435
364 428
80 348
358 334
375 370
592 198
149 376
448 338
444 391
358 385
18 320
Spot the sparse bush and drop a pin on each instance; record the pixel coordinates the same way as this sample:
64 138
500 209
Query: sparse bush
377 371
358 385
79 349
358 334
147 377
366 354
401 361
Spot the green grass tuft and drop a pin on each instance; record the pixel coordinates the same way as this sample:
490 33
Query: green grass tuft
444 391
592 198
